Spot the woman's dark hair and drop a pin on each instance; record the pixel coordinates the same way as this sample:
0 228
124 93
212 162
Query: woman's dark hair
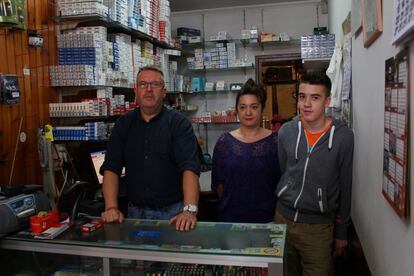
251 88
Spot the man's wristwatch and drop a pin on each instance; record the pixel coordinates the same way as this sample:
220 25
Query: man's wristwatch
190 208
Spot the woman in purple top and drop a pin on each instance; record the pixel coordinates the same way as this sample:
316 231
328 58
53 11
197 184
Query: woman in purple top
245 163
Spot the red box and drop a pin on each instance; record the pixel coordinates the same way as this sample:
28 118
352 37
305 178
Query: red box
39 224
98 223
88 227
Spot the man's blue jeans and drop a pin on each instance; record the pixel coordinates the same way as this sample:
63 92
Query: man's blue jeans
165 213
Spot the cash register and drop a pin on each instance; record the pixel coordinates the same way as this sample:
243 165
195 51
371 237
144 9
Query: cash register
17 204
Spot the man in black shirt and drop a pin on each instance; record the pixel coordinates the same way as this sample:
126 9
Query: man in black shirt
157 147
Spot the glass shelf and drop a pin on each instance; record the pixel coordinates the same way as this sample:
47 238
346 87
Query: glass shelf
87 117
251 66
230 244
216 123
316 63
233 239
89 87
68 141
240 41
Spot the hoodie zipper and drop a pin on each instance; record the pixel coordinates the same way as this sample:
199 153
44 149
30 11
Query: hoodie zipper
320 200
282 190
304 171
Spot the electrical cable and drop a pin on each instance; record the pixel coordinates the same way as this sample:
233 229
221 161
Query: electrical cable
15 151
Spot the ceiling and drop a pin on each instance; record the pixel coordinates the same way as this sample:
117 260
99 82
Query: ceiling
187 5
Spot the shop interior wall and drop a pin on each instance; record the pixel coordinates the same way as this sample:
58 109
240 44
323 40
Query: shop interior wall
35 93
387 240
294 18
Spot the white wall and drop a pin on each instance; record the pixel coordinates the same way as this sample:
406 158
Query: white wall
387 240
338 11
296 19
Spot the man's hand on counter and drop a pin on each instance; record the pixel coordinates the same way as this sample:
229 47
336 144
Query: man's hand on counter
184 221
112 215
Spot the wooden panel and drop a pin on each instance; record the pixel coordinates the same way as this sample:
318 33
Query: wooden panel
35 93
268 111
286 101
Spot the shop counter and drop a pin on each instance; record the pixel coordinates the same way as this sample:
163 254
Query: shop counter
211 243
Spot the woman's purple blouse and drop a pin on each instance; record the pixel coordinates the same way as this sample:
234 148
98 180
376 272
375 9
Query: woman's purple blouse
249 173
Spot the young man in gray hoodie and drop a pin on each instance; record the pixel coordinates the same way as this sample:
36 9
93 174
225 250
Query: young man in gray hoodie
315 155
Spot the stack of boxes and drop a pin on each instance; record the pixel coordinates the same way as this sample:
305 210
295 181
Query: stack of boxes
118 10
134 17
164 65
231 54
251 34
147 53
196 62
223 55
70 7
105 104
221 35
68 109
172 72
188 35
81 58
72 75
198 84
218 56
88 132
158 57
317 46
164 21
136 57
122 60
152 18
144 13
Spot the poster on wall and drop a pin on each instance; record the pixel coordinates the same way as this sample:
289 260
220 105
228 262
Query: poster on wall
396 125
403 20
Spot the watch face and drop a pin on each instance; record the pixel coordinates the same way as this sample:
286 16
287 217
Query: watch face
191 208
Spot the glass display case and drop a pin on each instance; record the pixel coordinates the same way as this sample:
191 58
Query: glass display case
150 246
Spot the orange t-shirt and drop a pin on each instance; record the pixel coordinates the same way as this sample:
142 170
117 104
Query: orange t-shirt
313 137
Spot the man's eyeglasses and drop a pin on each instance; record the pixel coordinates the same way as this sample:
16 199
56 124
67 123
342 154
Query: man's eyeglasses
153 84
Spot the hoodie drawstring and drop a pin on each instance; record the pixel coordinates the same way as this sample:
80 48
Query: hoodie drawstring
298 139
331 134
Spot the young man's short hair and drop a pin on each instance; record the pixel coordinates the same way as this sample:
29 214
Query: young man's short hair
317 79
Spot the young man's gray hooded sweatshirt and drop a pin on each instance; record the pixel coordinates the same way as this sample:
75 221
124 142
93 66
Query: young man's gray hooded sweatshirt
315 185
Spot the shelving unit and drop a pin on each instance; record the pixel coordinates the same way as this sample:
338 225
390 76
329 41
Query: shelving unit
316 63
83 20
124 84
243 42
215 101
251 66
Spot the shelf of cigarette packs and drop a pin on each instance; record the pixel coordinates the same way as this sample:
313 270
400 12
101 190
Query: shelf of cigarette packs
317 50
89 115
188 48
218 119
141 19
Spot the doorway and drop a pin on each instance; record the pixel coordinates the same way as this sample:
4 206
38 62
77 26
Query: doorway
280 73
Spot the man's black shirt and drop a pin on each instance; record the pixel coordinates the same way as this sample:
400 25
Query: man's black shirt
154 154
